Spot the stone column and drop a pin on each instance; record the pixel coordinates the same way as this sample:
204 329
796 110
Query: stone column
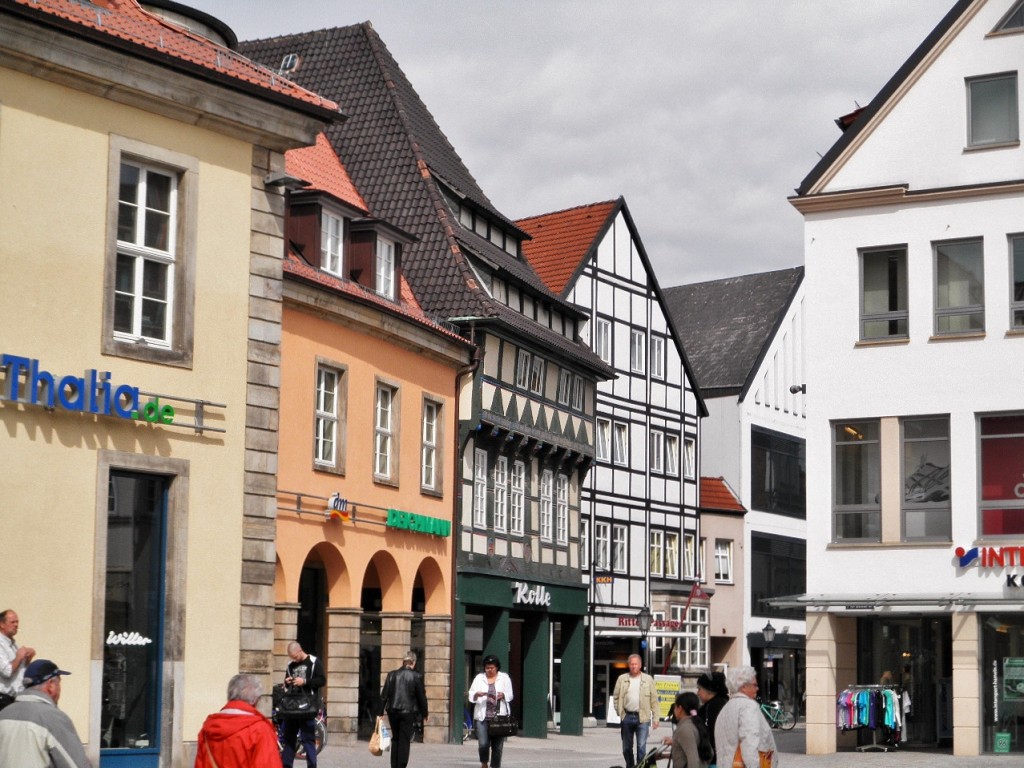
342 665
966 687
395 636
831 666
437 666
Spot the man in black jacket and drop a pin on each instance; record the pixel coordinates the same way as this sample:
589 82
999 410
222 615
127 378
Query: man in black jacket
405 700
303 671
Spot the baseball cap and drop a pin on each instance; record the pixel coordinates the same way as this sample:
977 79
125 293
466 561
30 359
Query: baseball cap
41 670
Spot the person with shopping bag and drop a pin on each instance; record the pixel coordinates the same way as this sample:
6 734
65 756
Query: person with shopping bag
405 701
490 694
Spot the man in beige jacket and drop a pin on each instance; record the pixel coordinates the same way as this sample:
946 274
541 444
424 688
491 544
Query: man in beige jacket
636 701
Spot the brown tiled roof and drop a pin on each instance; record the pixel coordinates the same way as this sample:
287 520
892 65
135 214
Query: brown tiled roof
398 158
406 307
717 496
125 25
320 166
562 240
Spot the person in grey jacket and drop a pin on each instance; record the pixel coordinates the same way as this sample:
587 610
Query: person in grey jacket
34 733
741 731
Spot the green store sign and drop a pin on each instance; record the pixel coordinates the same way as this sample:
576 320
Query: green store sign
410 521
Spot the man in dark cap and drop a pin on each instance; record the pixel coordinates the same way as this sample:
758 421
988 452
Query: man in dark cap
34 733
713 694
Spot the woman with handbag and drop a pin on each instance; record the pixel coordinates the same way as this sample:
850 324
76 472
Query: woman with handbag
490 694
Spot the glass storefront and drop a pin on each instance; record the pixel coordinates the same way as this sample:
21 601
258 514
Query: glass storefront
133 620
1002 682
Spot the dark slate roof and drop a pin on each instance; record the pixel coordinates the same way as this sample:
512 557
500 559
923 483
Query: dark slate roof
862 117
727 325
395 153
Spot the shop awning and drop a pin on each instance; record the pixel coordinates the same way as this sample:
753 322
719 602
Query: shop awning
868 602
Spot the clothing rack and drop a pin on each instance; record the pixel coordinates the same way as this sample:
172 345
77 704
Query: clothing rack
876 707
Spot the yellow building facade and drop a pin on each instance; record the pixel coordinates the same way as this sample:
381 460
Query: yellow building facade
139 380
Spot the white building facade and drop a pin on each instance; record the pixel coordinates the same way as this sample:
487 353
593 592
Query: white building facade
914 237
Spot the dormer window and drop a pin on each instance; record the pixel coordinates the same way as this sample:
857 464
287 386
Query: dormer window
332 240
1014 20
385 268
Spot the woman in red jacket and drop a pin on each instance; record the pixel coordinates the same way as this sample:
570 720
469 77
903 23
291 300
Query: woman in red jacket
239 736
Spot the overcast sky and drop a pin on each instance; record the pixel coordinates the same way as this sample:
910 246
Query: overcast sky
703 114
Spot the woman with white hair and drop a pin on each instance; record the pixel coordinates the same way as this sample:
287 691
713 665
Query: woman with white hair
742 735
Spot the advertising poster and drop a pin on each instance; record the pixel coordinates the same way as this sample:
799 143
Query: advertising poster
1013 679
668 687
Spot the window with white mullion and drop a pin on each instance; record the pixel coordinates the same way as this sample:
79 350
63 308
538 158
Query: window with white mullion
546 504
603 440
518 499
144 273
501 494
603 339
620 446
537 375
562 509
429 448
577 393
637 351
672 455
383 432
723 560
332 239
585 545
385 268
657 357
326 418
619 559
523 369
564 387
602 546
480 488
657 553
689 556
671 555
656 459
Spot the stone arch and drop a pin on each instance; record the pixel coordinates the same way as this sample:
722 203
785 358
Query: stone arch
337 575
431 579
388 579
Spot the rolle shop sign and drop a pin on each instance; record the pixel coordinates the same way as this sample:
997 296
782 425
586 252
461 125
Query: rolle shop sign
524 593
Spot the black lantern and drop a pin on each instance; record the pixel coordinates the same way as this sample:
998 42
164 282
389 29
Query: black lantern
643 621
769 637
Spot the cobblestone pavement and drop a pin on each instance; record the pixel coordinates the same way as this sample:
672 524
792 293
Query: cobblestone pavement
599 748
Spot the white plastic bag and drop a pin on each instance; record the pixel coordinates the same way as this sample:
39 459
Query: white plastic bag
385 734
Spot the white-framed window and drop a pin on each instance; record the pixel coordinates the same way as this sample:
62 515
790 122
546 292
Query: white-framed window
603 439
620 443
537 375
692 651
672 455
562 509
501 494
603 339
1017 279
585 545
546 504
690 458
385 433
602 546
332 242
959 287
656 546
564 387
619 560
577 393
723 561
146 229
689 556
518 498
671 554
656 459
992 110
479 488
637 351
523 369
384 268
657 357
149 269
883 299
325 430
430 446
702 559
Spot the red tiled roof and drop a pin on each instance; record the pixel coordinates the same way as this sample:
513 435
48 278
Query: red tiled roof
124 24
715 494
407 307
320 166
561 240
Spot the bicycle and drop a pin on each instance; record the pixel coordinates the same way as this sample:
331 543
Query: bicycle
319 734
777 716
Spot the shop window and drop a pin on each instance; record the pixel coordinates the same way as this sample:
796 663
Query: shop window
926 492
1002 670
1002 492
856 504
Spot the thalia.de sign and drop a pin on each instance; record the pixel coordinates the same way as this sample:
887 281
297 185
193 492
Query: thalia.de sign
93 392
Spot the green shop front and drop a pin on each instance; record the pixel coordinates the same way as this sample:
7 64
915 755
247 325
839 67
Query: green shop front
536 628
